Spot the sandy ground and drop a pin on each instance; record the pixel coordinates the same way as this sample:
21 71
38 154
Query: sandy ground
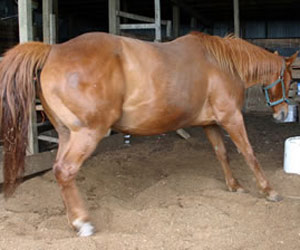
163 192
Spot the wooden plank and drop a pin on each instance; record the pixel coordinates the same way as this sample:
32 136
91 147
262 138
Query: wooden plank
137 26
135 17
296 74
35 163
276 43
296 69
139 17
181 132
48 138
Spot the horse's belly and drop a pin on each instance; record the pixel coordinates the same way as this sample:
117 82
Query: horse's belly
151 122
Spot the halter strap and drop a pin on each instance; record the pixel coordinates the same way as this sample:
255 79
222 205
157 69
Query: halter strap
273 84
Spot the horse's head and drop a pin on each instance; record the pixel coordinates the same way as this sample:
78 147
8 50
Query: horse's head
277 91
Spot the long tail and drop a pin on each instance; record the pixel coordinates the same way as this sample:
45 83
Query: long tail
18 69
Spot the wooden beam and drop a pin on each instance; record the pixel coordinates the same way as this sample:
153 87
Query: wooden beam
114 19
157 21
132 26
139 17
25 35
276 43
52 24
25 20
47 10
48 138
49 22
236 16
181 132
169 29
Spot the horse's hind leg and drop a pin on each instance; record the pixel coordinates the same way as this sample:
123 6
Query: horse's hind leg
236 129
79 147
214 134
63 138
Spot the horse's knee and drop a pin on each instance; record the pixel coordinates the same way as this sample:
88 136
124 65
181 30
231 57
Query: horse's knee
64 173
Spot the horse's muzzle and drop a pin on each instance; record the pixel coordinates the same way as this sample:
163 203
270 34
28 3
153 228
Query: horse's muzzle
280 116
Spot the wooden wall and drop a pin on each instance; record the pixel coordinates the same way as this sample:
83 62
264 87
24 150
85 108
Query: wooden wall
8 34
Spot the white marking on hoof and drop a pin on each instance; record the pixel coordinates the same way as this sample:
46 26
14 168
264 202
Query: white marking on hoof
84 228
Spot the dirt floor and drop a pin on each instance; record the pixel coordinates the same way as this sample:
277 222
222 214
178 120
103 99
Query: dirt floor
163 192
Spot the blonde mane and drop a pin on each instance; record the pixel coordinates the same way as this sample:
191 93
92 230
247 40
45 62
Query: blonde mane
239 57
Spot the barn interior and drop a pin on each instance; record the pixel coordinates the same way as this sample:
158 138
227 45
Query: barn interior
159 192
266 19
273 25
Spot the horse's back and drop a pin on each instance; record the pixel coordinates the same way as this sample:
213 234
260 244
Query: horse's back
165 85
135 86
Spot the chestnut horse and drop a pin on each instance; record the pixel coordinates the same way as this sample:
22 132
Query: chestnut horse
99 81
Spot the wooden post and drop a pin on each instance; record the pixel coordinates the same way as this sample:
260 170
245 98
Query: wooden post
52 24
47 22
176 20
169 29
25 35
236 18
25 20
157 21
114 19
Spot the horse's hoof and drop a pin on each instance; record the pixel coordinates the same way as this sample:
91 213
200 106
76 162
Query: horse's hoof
274 197
84 229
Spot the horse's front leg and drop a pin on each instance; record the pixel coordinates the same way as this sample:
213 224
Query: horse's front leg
80 145
235 127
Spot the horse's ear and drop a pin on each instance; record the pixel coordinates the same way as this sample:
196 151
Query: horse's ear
276 53
291 59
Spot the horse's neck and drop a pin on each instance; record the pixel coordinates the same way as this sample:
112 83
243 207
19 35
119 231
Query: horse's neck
249 84
262 78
